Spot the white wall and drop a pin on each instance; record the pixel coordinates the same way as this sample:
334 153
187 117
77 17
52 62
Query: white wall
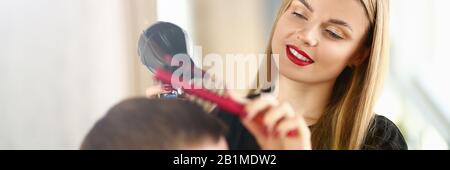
63 63
417 94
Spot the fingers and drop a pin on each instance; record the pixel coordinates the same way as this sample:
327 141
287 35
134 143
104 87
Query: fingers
272 124
302 141
264 113
258 106
252 120
153 91
276 114
296 123
255 129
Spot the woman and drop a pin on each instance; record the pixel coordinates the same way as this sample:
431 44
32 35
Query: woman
332 55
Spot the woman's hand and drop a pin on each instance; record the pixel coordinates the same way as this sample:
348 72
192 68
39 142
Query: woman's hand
154 91
270 122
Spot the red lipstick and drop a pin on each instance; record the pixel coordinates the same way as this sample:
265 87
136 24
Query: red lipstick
298 56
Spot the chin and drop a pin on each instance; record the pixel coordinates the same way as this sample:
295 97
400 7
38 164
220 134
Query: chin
295 75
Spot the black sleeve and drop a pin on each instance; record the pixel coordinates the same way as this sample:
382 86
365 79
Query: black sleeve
384 135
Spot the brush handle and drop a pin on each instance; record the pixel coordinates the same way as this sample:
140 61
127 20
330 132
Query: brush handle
225 103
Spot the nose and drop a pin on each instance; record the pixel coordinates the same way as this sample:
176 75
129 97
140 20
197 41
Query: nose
307 37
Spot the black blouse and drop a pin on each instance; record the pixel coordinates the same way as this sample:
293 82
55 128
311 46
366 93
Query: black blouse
384 136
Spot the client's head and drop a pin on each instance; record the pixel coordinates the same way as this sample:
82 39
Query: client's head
143 123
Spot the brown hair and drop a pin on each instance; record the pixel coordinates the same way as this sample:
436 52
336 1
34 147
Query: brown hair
142 123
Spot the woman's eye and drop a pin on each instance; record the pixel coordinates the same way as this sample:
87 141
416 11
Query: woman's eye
299 15
334 35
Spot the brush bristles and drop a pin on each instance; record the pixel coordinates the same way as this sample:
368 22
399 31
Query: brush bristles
209 83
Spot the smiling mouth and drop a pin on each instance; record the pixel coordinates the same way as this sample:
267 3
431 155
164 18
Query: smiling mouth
298 56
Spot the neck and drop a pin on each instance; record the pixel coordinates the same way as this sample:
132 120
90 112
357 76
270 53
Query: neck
310 100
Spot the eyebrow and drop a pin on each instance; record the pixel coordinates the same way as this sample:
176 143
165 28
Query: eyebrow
334 21
307 5
340 22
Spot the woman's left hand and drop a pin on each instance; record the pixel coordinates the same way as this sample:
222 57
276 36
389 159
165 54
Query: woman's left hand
270 122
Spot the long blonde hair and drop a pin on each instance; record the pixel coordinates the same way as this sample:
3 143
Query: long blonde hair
350 111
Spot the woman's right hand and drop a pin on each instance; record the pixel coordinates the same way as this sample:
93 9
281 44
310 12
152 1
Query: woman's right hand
270 122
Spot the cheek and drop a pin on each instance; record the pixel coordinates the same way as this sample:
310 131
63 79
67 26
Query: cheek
277 40
333 58
283 30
